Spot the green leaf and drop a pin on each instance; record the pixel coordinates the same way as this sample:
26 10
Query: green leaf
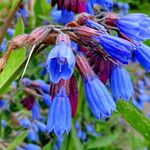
103 141
18 140
135 118
41 8
8 74
48 146
19 27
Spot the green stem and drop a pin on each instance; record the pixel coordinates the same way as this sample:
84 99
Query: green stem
11 14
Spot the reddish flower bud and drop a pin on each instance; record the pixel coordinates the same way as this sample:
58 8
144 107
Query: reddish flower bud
81 6
67 4
84 67
74 4
86 32
103 68
73 94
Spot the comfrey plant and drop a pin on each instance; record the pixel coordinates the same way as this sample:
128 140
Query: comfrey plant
85 47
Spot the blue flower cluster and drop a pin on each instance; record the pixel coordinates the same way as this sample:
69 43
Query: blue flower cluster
97 48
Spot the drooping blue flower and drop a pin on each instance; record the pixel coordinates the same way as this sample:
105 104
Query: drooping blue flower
118 48
19 148
99 99
62 16
66 16
121 84
135 26
32 147
3 123
35 126
139 104
60 62
11 32
3 45
46 99
3 103
59 116
44 86
82 135
142 54
36 112
126 8
25 122
56 15
24 13
89 8
41 126
106 4
33 136
58 144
